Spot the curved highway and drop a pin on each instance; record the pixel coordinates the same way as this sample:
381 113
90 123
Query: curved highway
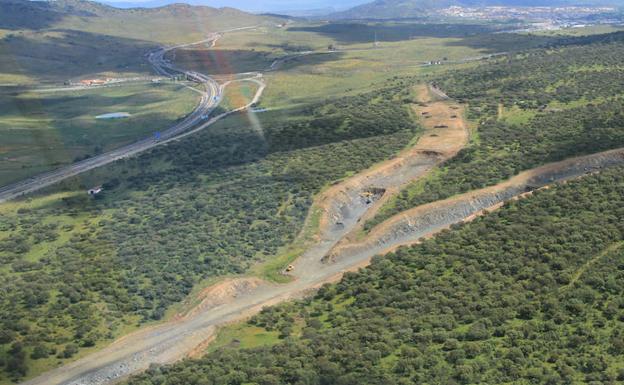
211 96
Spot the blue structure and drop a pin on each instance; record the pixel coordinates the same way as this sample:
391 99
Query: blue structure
157 135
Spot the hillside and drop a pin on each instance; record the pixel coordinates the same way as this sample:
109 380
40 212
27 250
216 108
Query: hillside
68 39
169 24
531 294
248 5
533 109
528 294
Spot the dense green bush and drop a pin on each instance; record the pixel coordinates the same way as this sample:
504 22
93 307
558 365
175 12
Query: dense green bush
529 294
77 270
572 97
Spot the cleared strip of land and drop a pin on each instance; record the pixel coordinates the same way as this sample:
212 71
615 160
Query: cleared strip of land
410 226
235 299
334 252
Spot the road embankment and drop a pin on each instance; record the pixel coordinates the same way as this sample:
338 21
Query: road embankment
346 206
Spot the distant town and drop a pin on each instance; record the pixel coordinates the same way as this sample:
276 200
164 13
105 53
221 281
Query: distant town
548 17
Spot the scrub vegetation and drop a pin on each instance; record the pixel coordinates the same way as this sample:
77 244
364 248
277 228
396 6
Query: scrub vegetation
529 294
78 271
476 304
556 103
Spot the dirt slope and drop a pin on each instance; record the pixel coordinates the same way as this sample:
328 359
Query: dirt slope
360 197
410 226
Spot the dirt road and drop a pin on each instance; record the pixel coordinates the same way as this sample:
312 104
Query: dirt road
410 226
343 205
335 252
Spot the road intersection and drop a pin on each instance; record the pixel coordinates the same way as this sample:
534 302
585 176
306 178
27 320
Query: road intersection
197 120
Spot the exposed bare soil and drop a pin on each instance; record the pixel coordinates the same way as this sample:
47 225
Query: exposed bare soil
344 205
411 226
361 196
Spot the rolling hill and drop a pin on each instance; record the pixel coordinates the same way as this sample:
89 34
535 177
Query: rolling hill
169 24
63 39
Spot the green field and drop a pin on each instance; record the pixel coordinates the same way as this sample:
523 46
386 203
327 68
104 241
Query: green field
43 130
56 56
238 94
356 65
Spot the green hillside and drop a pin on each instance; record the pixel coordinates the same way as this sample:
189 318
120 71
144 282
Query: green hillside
528 294
532 109
65 39
171 24
531 294
78 272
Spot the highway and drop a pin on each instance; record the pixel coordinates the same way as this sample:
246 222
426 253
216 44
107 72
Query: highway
210 99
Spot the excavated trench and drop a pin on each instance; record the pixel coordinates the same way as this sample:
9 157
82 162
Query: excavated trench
346 205
410 226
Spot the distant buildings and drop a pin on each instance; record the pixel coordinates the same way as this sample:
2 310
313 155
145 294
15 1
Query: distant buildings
525 13
94 82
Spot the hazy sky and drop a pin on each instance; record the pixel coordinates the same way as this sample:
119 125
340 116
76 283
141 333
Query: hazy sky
253 5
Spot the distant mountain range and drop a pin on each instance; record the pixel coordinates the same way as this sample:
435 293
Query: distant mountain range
353 9
303 7
385 9
13 10
172 23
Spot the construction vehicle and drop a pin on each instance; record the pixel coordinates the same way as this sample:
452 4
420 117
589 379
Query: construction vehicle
368 196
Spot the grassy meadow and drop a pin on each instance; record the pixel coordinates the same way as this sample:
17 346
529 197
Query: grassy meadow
43 130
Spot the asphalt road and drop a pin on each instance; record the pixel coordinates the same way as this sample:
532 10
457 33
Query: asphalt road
211 97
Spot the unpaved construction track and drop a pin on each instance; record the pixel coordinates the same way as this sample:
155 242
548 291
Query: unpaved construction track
344 205
410 226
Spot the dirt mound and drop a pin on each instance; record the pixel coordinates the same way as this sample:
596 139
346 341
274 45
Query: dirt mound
224 292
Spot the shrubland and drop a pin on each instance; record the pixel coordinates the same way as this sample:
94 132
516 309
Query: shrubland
78 271
530 108
531 293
